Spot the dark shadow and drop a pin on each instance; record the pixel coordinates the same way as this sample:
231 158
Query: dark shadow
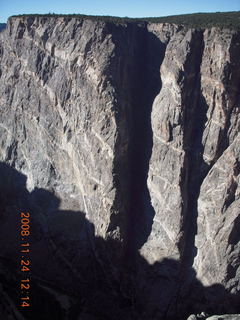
195 169
2 26
137 81
147 84
194 119
76 275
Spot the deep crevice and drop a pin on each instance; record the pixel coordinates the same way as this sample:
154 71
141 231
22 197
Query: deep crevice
147 84
194 168
138 82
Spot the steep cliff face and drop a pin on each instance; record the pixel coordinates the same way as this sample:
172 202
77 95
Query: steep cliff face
195 122
137 126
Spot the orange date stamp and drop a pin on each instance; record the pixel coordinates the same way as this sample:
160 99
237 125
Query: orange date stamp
25 265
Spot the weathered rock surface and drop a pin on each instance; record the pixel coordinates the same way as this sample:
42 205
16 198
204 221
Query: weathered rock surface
215 317
225 317
124 144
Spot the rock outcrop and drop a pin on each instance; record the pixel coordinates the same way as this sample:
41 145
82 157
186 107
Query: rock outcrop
130 130
215 317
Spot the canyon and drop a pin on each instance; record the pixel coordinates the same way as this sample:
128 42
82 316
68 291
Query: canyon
122 142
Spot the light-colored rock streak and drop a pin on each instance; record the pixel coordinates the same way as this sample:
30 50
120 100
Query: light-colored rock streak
104 144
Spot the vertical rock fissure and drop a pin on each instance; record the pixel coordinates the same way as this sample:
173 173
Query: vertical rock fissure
147 84
194 168
140 68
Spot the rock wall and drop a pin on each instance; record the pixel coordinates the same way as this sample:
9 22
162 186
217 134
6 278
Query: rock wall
137 126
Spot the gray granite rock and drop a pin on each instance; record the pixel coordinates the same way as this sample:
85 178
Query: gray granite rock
130 130
215 317
225 317
192 317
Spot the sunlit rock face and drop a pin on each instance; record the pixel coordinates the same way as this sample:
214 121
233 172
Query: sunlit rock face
124 143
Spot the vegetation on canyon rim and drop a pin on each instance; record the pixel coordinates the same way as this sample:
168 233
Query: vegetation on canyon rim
196 20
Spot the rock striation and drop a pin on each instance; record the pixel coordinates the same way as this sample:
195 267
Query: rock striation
122 139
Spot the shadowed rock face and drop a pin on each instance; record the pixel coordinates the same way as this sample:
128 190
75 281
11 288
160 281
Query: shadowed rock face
2 26
137 126
78 275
